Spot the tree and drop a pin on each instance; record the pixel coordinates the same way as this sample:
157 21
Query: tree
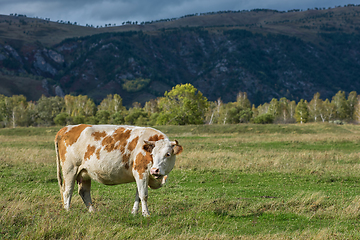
103 116
13 109
255 111
356 115
292 107
112 103
284 111
21 115
79 108
184 104
151 106
352 101
239 111
118 118
136 116
213 113
47 108
237 114
341 105
111 110
243 101
274 108
315 107
327 110
262 109
301 112
264 118
61 119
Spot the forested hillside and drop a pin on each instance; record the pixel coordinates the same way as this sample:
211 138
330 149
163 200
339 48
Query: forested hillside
267 54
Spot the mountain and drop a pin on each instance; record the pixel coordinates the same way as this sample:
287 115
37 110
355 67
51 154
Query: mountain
268 54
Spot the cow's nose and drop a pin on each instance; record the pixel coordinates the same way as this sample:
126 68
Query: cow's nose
155 171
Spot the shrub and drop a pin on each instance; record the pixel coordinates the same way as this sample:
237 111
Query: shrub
264 119
61 119
135 85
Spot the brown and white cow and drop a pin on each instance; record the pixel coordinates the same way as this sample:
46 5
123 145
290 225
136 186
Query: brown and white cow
113 155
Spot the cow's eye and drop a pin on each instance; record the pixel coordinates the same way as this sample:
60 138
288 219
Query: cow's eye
168 154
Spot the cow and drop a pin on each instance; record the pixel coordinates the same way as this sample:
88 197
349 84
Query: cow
111 155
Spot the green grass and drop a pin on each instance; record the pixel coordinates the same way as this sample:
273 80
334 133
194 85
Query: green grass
226 184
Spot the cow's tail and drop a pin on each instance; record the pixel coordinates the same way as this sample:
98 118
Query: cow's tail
58 167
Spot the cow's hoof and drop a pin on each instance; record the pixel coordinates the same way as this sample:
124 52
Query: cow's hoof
134 212
146 214
91 209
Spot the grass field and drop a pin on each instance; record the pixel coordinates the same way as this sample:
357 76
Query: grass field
232 181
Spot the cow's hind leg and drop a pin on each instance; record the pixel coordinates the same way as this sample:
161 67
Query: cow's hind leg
84 186
68 185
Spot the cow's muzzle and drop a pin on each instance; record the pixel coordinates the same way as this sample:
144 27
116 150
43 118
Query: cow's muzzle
155 172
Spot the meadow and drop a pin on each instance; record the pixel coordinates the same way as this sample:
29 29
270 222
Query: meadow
231 182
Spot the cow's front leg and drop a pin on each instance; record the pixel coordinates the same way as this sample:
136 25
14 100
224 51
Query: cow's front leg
142 194
136 204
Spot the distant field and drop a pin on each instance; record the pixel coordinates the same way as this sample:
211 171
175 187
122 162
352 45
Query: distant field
232 181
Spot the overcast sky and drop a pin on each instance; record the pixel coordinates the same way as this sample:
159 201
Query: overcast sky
101 12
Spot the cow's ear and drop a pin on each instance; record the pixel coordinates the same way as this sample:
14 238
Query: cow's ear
177 149
149 146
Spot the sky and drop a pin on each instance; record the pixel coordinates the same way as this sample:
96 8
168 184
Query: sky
101 12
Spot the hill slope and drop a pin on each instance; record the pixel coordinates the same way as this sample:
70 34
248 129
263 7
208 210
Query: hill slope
265 53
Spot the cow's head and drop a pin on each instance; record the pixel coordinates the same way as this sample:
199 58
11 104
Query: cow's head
163 153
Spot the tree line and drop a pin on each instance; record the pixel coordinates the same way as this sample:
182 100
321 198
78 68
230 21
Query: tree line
184 104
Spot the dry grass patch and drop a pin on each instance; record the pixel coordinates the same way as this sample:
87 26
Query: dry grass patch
286 161
27 155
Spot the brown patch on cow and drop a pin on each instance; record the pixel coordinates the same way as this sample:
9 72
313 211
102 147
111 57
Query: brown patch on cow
121 135
61 144
72 136
64 138
130 147
117 140
98 135
141 163
108 143
90 151
98 153
133 144
125 160
156 137
60 133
